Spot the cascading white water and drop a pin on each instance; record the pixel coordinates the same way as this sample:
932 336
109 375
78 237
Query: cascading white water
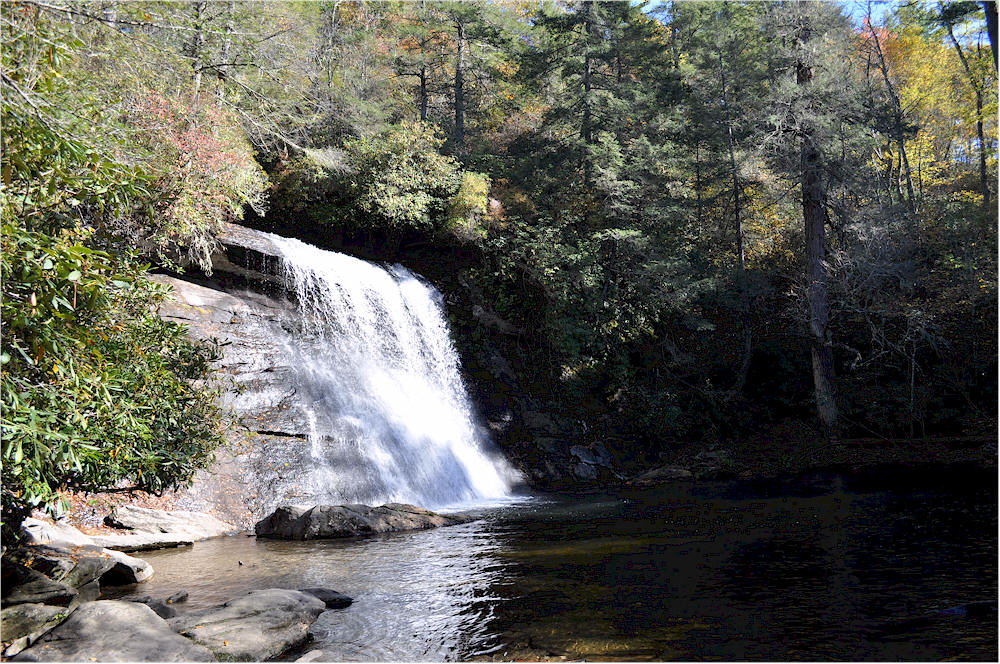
379 381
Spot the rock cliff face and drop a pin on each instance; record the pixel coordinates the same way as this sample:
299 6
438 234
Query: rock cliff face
267 441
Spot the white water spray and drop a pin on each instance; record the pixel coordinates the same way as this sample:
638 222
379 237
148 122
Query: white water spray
379 379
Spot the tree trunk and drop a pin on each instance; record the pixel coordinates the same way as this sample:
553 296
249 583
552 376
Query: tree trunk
814 218
741 269
423 93
194 47
984 183
460 89
991 26
697 181
587 122
586 132
897 117
220 89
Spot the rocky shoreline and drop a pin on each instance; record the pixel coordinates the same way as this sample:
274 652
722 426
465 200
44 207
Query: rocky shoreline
53 611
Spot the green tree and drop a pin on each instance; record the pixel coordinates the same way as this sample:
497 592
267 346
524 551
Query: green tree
98 393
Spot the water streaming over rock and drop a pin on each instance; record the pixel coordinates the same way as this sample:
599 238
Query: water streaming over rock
378 378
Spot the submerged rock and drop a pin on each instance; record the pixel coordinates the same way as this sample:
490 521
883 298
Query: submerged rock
663 474
177 597
160 607
331 598
333 521
113 631
258 626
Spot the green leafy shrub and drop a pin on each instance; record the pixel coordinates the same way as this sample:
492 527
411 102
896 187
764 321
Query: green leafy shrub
97 389
98 393
396 182
399 179
468 206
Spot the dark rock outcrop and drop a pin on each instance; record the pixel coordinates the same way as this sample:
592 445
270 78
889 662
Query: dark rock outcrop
258 626
23 585
113 631
126 571
331 598
333 521
67 574
160 607
267 452
662 474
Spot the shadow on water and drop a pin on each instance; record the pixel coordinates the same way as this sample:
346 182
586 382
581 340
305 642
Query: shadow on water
821 567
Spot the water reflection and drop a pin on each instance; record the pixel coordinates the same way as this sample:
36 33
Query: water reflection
816 570
418 596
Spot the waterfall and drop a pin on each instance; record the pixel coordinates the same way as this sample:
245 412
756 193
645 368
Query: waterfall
378 378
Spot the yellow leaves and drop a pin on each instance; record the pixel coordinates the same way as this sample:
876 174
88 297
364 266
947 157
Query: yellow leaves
508 69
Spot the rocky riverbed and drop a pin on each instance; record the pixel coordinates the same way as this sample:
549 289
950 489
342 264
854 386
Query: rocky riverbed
53 608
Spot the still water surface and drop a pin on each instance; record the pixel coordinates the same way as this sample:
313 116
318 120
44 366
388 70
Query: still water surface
826 567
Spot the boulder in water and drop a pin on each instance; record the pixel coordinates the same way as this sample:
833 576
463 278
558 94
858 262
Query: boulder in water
259 626
331 598
333 521
160 607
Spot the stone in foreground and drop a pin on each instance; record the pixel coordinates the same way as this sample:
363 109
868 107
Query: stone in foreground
332 521
256 627
113 631
25 623
32 587
66 541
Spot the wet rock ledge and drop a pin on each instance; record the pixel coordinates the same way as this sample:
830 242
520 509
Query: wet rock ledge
295 522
